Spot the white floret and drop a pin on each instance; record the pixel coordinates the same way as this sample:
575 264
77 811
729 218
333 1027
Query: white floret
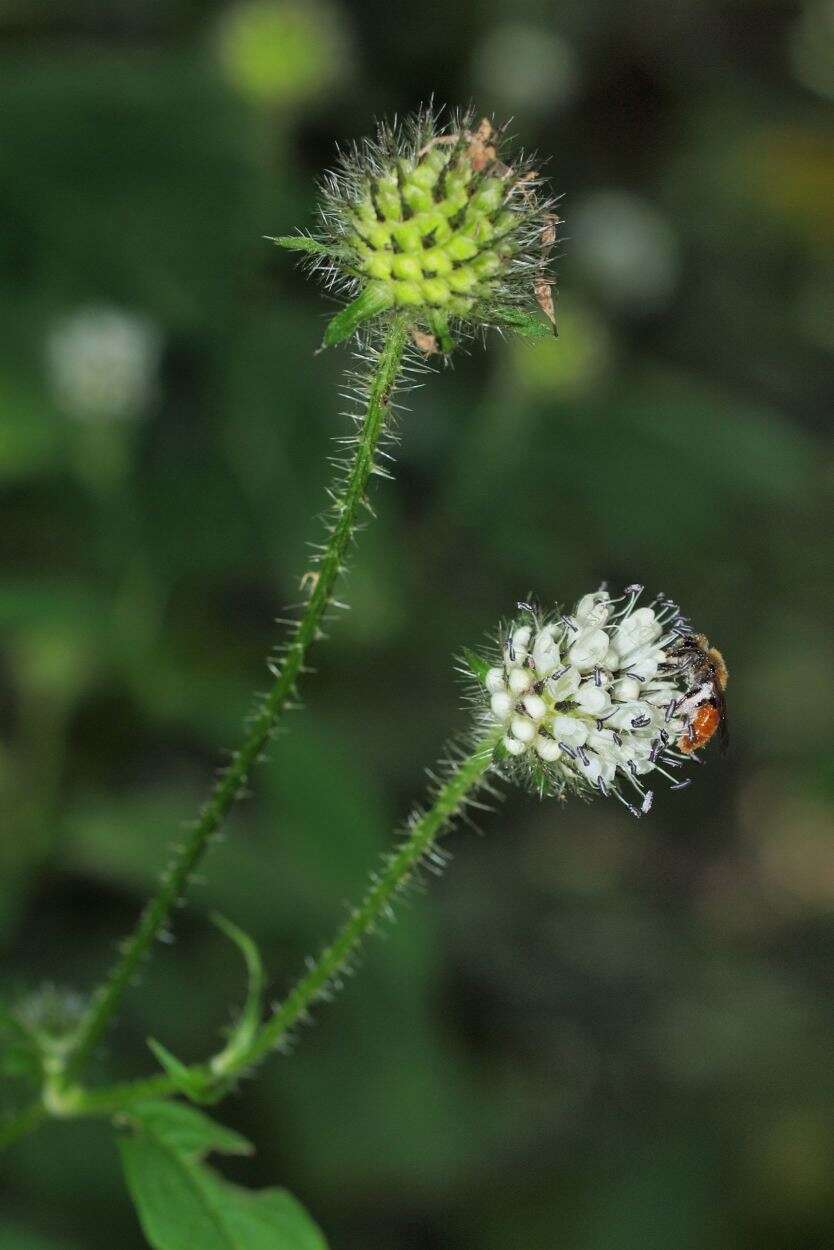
534 706
626 690
638 629
545 651
501 704
592 699
494 680
547 749
589 648
523 728
593 609
571 730
519 680
564 687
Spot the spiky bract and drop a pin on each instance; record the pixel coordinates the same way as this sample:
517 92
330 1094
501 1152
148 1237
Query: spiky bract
439 223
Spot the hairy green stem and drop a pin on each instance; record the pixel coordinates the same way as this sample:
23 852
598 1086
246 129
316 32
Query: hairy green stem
423 831
348 502
464 779
110 1099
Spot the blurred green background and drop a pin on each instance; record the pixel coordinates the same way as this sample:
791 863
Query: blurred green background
592 1033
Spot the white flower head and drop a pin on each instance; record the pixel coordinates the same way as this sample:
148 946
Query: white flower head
103 363
599 700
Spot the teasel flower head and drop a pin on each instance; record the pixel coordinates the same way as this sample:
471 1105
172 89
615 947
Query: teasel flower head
439 224
600 700
103 363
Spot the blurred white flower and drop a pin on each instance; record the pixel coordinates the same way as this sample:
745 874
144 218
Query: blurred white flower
526 67
627 249
103 363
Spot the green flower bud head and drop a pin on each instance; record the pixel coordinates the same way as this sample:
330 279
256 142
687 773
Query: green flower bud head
440 225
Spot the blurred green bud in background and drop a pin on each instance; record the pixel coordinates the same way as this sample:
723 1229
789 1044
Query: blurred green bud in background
283 52
583 360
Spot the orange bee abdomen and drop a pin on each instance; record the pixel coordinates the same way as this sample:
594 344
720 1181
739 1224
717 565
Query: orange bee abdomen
704 724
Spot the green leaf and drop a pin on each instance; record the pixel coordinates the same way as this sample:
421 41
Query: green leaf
375 298
195 1085
298 243
476 665
440 329
183 1204
253 1010
527 324
188 1133
250 1017
168 1197
265 1219
206 1084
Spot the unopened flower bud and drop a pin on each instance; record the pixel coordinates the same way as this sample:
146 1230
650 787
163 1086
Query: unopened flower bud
438 224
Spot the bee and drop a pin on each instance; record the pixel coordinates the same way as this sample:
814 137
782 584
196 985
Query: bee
706 670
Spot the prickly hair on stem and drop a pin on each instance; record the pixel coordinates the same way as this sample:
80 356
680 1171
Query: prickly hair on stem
346 511
348 501
462 775
437 221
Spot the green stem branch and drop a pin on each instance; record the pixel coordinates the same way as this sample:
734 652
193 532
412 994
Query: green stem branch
348 502
423 832
464 779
